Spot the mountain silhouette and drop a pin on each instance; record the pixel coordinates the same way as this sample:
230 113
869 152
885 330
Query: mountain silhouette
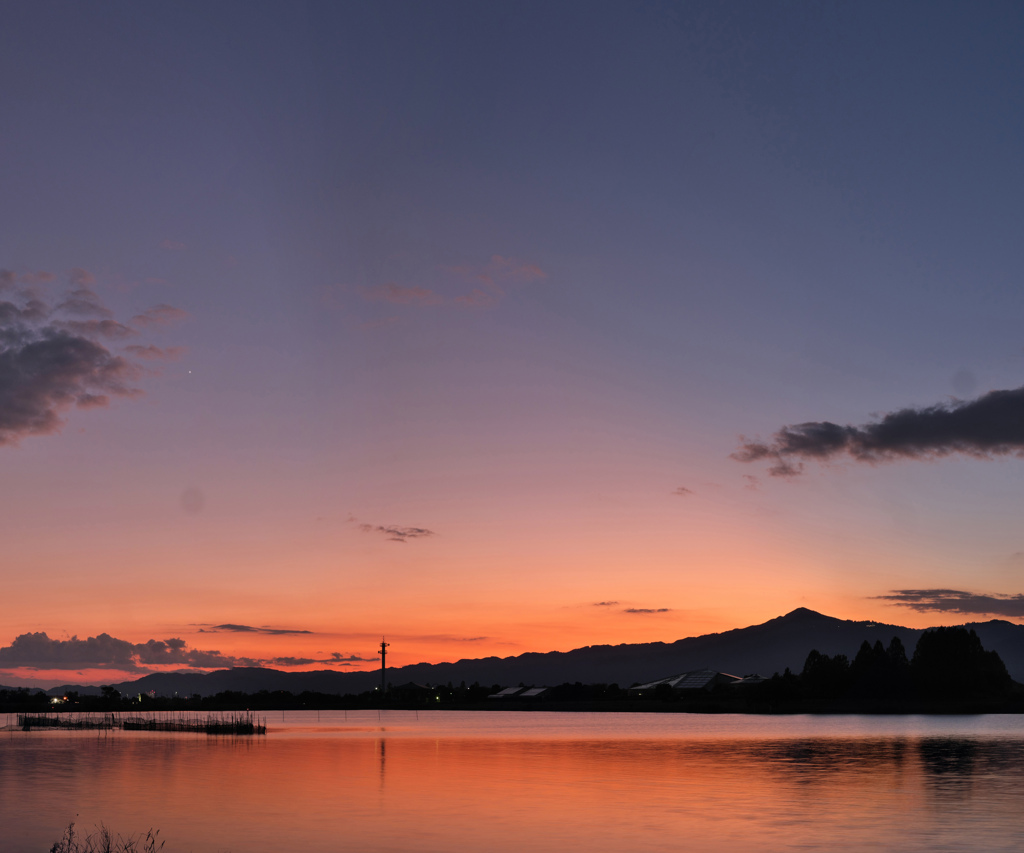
765 649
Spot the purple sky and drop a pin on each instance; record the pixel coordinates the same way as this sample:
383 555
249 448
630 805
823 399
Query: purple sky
450 321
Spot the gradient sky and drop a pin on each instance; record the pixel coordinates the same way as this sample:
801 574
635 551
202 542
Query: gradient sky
478 325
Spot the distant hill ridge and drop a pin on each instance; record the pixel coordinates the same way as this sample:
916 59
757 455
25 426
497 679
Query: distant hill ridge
765 649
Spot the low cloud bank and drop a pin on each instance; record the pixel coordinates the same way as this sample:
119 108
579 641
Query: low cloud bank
38 651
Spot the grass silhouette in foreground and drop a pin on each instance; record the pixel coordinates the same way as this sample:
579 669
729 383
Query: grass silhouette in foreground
102 841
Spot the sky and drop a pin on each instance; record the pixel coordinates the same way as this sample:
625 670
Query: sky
501 327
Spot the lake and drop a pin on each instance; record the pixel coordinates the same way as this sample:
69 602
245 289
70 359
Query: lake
513 781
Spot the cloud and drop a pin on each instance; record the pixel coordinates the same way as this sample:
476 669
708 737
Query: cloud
398 295
491 279
249 629
97 328
511 268
154 353
92 401
159 315
489 282
991 425
45 371
647 610
605 603
682 491
397 534
37 277
84 302
38 651
336 659
957 601
438 638
9 278
49 363
480 298
81 277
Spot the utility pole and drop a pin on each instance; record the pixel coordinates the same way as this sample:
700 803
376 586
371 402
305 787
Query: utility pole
383 657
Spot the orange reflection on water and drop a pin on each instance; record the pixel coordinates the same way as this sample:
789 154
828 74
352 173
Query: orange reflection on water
371 789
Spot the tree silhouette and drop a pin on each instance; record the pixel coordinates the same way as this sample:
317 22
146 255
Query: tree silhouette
825 677
950 663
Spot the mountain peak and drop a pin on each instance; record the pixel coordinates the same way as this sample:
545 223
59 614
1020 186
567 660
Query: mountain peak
802 613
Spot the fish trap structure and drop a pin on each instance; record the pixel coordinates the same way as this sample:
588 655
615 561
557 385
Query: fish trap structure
211 724
75 722
235 724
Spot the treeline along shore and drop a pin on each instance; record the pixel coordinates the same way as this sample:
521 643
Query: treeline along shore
949 672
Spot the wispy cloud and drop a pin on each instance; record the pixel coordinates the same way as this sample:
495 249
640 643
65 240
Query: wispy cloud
957 601
85 302
489 283
395 294
439 638
97 328
159 315
81 278
682 491
991 425
480 297
8 278
605 603
335 659
397 534
493 278
514 269
154 353
647 610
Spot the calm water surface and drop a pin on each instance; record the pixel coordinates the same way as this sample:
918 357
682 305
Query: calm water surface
453 781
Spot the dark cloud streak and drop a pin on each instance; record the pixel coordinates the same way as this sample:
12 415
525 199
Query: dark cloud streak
991 425
957 601
397 534
249 629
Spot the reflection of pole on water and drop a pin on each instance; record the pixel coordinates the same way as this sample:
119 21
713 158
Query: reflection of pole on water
383 745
